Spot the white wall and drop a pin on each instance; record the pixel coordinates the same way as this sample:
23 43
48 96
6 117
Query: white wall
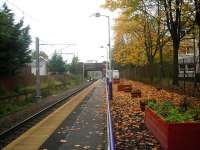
43 68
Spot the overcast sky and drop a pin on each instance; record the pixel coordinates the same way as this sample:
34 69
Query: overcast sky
66 21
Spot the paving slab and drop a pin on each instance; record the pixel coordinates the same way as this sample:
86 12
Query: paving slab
33 138
84 128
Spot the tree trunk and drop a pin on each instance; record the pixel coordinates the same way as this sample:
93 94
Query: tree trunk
199 45
151 70
175 62
161 73
161 63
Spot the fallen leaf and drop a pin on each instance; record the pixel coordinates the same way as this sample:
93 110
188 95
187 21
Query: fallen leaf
63 141
77 145
86 147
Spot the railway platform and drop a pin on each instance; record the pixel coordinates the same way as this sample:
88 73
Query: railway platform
77 125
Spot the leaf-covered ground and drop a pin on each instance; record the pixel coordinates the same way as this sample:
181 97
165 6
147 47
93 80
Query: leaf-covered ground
128 120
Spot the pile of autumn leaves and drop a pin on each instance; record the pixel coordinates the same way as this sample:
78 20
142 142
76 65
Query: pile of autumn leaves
128 120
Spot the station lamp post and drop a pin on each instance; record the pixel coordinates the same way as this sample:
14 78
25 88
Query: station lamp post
106 75
109 83
83 72
38 93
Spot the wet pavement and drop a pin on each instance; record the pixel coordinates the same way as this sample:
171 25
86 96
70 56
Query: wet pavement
84 128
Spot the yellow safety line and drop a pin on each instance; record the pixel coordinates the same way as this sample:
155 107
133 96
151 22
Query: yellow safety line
33 138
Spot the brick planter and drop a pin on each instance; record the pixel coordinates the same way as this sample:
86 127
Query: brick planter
116 81
142 105
124 87
136 93
173 136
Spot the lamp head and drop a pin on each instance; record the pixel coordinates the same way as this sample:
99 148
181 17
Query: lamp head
97 14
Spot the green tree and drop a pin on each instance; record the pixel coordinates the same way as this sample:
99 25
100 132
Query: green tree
14 43
74 65
56 64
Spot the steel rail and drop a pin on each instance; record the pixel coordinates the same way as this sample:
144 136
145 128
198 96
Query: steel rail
31 118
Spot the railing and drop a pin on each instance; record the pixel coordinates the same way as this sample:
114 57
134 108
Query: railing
110 140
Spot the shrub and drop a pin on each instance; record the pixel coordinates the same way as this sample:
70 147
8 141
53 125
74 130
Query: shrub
170 113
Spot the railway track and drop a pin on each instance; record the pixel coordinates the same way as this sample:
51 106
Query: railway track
12 133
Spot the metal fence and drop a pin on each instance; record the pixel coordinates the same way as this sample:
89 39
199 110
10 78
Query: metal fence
110 137
147 73
151 74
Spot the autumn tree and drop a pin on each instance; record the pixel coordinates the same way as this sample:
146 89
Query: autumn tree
197 20
139 24
197 11
178 18
128 48
160 30
172 20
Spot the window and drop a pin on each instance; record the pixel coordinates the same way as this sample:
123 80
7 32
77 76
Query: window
182 67
190 67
